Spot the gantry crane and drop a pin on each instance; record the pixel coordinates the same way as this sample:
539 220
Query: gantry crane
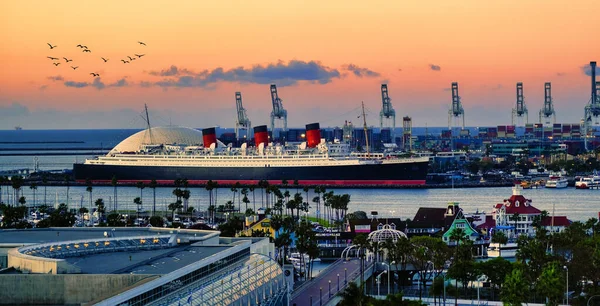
242 118
548 110
592 109
457 109
521 108
278 111
387 111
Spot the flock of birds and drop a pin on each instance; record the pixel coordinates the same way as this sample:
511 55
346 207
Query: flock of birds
84 49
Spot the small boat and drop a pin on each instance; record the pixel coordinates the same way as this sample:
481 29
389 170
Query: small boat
557 182
588 182
508 250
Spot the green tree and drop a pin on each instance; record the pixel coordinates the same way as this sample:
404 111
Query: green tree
89 189
496 270
100 207
156 221
177 205
114 219
61 217
551 283
353 296
501 238
515 289
114 182
153 185
33 188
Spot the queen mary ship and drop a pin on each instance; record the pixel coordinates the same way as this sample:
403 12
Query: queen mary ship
168 153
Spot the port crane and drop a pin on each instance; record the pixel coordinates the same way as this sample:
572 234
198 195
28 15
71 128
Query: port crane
548 110
387 110
592 109
457 110
278 111
242 118
521 108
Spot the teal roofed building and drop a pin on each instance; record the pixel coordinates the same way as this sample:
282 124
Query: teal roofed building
459 222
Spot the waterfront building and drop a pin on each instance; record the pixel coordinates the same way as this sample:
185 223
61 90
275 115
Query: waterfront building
139 266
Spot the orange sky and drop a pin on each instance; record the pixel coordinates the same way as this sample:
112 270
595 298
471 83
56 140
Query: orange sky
486 46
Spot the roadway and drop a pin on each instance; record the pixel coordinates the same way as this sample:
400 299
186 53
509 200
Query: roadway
319 286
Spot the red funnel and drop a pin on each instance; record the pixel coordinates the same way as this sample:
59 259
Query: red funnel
209 136
261 135
313 135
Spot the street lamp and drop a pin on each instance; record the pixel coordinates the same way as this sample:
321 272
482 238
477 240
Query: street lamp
320 296
388 273
567 292
329 289
338 275
345 272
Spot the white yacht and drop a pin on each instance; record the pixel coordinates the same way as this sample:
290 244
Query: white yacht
557 182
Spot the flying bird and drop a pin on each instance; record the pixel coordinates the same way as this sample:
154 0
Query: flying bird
79 46
141 43
52 58
87 50
74 67
124 61
67 60
133 59
130 58
51 46
104 59
139 55
84 47
95 74
56 64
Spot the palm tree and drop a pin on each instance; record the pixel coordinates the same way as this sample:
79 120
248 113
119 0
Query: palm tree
67 179
153 185
89 189
17 183
114 183
141 186
45 183
100 207
363 243
175 206
233 191
245 199
33 188
458 234
515 217
252 187
138 202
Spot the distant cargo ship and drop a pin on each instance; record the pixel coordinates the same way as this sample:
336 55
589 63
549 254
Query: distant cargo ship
168 153
18 128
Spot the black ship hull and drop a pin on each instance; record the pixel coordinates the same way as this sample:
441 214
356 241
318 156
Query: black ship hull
409 173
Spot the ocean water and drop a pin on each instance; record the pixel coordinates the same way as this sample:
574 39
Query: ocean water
578 205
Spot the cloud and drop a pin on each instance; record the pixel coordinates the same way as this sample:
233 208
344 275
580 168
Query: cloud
435 67
400 69
560 74
280 73
171 71
14 110
56 78
97 83
587 69
120 83
361 72
76 84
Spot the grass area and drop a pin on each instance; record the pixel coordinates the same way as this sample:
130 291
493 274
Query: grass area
323 222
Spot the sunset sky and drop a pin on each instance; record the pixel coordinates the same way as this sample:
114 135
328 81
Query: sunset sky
325 56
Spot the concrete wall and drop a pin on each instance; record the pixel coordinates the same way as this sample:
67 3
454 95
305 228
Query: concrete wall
34 264
62 289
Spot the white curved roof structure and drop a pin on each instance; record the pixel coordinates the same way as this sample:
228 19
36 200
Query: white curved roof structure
386 233
160 135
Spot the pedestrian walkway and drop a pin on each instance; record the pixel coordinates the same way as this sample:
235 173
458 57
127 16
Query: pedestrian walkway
323 288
